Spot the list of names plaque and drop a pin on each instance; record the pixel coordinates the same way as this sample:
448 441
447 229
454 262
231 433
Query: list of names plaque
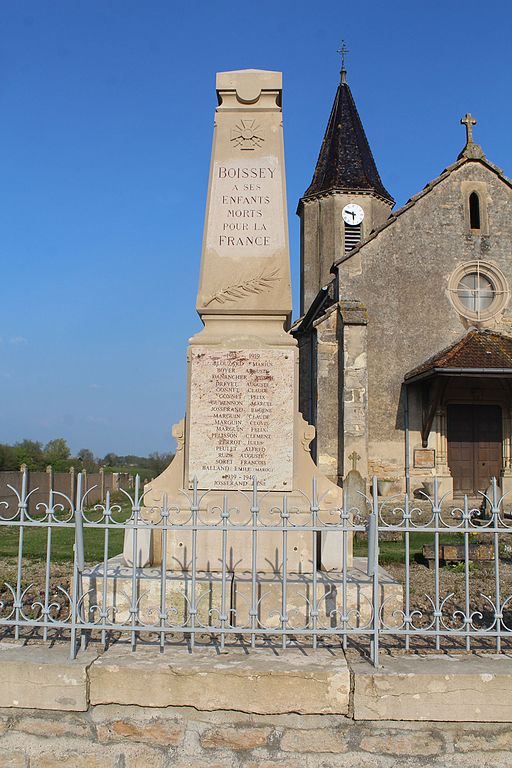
242 405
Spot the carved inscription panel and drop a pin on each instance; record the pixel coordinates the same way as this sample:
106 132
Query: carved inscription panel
241 418
246 208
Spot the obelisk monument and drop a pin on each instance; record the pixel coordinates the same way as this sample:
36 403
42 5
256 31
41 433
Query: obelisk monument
242 364
242 419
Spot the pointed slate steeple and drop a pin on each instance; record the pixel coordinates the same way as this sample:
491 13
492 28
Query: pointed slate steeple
346 163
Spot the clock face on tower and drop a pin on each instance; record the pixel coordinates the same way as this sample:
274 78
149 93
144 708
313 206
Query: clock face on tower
352 214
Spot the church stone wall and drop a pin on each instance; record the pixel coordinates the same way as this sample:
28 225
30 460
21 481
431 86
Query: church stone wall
403 279
327 407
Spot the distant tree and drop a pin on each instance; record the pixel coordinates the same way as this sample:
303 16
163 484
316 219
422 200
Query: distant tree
111 460
57 453
157 462
30 452
8 458
87 460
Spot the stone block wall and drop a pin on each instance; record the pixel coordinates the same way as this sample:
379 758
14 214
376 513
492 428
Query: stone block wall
181 737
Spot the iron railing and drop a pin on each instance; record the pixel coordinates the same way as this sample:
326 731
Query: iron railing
62 574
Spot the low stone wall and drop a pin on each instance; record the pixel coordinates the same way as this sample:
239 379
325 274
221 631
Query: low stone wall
181 737
256 710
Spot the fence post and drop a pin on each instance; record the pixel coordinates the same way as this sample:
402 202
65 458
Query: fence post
72 485
495 512
22 509
373 570
49 472
78 564
102 484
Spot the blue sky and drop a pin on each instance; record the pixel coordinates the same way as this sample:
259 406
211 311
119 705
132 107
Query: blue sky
105 136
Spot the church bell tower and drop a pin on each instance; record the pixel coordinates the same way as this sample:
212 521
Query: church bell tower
346 199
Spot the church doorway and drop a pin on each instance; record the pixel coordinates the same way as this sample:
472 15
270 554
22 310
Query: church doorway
475 436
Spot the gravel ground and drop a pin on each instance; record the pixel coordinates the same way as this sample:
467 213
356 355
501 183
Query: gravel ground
452 582
33 577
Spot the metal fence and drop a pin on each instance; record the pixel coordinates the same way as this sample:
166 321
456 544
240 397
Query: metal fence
427 574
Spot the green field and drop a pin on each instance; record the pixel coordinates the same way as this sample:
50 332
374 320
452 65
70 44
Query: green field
34 546
394 551
35 541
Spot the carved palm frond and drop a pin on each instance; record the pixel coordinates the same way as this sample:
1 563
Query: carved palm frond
258 284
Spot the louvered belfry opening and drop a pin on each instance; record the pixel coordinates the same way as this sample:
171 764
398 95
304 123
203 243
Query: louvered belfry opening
352 236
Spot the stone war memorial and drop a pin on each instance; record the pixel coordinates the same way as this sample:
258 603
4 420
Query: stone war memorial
243 440
242 400
242 419
236 611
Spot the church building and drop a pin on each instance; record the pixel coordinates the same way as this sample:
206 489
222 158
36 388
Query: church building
405 333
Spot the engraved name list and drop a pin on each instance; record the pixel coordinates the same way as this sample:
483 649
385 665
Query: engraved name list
242 401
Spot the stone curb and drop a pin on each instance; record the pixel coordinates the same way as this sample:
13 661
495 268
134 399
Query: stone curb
434 688
258 682
39 677
428 688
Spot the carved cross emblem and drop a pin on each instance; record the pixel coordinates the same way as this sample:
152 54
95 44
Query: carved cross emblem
354 458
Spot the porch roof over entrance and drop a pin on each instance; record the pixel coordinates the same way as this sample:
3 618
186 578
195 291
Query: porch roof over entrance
478 353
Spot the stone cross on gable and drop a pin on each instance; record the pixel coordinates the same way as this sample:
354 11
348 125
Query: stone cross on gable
354 458
469 121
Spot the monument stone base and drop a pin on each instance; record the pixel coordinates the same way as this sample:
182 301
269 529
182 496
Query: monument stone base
238 597
269 553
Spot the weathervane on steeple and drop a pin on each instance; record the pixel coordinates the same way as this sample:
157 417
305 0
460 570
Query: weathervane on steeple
343 51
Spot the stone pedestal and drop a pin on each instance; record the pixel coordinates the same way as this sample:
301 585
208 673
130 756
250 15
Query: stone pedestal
269 552
334 598
178 594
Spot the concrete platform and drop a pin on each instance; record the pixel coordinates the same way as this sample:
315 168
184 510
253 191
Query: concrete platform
178 590
438 688
329 598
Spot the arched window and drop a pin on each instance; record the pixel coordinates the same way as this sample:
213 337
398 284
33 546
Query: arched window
474 211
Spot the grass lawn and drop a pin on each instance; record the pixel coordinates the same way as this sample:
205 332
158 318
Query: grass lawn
35 540
34 547
394 551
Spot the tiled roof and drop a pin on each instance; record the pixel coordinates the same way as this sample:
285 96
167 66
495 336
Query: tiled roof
346 161
477 349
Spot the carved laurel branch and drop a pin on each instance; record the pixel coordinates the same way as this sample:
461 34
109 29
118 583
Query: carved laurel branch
259 284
